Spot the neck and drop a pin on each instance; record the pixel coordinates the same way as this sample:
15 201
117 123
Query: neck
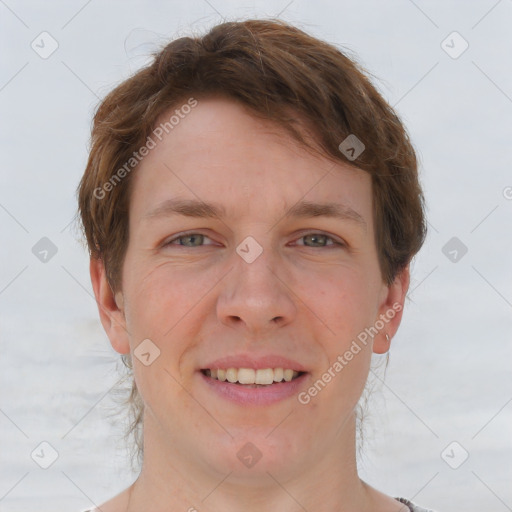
321 482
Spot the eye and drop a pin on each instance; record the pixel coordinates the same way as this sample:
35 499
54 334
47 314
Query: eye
189 240
318 240
314 240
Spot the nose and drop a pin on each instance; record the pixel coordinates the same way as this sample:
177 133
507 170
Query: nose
255 296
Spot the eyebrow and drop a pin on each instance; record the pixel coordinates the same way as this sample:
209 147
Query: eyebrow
303 209
333 210
188 208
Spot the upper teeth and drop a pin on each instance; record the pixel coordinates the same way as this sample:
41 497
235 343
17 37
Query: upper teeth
251 376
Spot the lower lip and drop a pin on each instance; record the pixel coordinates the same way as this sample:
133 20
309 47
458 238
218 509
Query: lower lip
255 396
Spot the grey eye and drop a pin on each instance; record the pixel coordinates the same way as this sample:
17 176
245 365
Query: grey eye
316 240
193 240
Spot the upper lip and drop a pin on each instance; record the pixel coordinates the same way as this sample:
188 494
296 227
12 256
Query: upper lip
254 362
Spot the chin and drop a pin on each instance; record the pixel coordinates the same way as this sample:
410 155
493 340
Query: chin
251 456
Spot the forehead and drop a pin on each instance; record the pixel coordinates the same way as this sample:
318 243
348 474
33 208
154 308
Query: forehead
219 152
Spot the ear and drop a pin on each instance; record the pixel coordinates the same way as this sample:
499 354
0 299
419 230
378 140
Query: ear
111 310
390 310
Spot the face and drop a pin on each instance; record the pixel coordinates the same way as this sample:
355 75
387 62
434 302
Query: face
246 251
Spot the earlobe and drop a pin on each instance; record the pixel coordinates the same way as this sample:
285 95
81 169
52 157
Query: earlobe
390 311
381 343
110 307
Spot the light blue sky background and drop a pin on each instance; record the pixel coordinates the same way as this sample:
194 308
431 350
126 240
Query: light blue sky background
449 377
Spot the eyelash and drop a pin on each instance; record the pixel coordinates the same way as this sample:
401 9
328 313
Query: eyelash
191 233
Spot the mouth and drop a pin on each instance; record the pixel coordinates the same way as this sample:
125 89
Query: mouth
249 386
252 378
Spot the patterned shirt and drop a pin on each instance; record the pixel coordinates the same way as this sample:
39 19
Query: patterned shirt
412 506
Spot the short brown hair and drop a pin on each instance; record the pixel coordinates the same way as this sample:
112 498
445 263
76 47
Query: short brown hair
280 74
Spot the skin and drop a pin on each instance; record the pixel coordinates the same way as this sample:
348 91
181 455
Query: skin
304 297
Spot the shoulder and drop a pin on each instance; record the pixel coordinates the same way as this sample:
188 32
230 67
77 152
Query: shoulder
117 504
412 507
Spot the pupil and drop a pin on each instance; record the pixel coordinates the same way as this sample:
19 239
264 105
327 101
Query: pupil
192 240
317 239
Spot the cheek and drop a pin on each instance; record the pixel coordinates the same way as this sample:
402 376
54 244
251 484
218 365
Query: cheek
163 393
344 299
162 306
160 299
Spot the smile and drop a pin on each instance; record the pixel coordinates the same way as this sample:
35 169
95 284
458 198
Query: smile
247 386
250 376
